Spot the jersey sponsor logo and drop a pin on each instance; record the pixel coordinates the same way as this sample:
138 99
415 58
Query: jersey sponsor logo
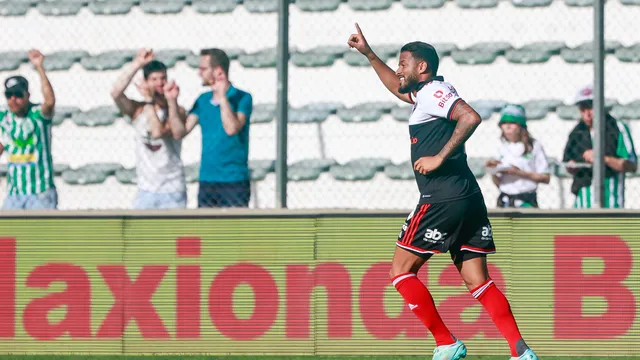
414 140
445 99
22 159
433 235
487 232
438 94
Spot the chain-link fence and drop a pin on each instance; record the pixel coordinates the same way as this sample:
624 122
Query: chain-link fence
348 138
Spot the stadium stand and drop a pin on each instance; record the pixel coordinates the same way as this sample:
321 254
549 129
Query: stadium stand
348 139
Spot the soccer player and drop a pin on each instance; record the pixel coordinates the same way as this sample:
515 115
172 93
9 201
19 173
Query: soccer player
451 214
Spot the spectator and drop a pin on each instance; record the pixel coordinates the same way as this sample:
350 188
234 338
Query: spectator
26 137
159 169
619 155
522 164
223 114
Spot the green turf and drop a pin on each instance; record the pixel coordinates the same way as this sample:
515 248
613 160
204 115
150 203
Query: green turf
176 357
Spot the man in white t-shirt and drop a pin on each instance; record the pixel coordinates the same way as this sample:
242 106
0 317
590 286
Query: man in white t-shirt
159 169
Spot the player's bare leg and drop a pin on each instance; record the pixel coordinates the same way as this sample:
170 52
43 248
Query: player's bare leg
476 277
404 270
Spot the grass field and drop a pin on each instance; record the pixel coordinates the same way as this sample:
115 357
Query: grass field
177 357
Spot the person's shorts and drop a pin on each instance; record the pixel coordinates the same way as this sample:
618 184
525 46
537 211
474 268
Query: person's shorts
460 227
146 200
47 200
231 194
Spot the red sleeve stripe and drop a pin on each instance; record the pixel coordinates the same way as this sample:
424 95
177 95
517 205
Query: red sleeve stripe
453 108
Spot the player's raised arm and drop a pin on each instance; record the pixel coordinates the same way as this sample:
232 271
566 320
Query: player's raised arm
384 72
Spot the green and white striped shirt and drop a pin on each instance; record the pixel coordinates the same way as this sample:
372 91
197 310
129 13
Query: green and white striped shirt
614 185
27 142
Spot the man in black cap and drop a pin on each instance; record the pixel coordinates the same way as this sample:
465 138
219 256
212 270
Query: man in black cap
25 135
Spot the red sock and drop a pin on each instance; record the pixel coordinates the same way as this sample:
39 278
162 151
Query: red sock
421 303
498 307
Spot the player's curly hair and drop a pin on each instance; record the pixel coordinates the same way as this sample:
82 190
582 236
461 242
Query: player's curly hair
425 52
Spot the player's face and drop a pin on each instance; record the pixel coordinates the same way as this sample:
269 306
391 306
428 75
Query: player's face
157 81
17 101
512 132
407 73
586 113
205 70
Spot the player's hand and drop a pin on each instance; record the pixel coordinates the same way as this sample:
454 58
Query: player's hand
220 87
588 156
36 58
492 163
144 89
513 170
358 42
427 164
144 57
171 90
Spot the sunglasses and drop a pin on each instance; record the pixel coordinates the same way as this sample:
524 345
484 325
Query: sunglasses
16 93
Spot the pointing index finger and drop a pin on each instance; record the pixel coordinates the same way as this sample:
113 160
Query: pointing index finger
358 28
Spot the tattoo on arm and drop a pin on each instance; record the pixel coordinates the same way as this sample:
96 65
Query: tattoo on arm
468 120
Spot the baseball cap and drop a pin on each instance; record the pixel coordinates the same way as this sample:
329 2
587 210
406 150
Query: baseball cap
16 83
513 113
584 94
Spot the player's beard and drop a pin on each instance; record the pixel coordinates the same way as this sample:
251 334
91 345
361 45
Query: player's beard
410 83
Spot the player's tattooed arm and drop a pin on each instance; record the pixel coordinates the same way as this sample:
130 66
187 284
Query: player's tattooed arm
468 120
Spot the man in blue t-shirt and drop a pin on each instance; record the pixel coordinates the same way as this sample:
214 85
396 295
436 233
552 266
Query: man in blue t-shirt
223 114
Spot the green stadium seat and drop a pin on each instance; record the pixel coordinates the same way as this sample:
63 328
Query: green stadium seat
354 58
423 4
495 47
257 174
13 8
304 115
261 6
265 165
628 54
120 7
336 50
568 112
63 60
609 45
472 57
403 171
580 3
577 56
477 4
445 49
376 163
535 112
107 168
531 3
553 47
101 116
626 112
630 2
402 113
4 168
20 56
484 112
193 60
389 50
318 5
64 112
214 6
59 8
520 56
384 106
126 176
477 166
331 107
352 173
493 105
369 5
313 59
172 55
110 60
263 113
303 173
58 169
361 114
84 177
319 164
192 173
162 7
261 59
8 64
549 104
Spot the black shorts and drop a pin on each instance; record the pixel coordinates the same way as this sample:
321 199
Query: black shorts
232 194
460 227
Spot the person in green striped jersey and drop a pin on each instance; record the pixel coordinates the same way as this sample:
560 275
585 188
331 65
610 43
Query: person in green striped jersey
25 135
619 155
